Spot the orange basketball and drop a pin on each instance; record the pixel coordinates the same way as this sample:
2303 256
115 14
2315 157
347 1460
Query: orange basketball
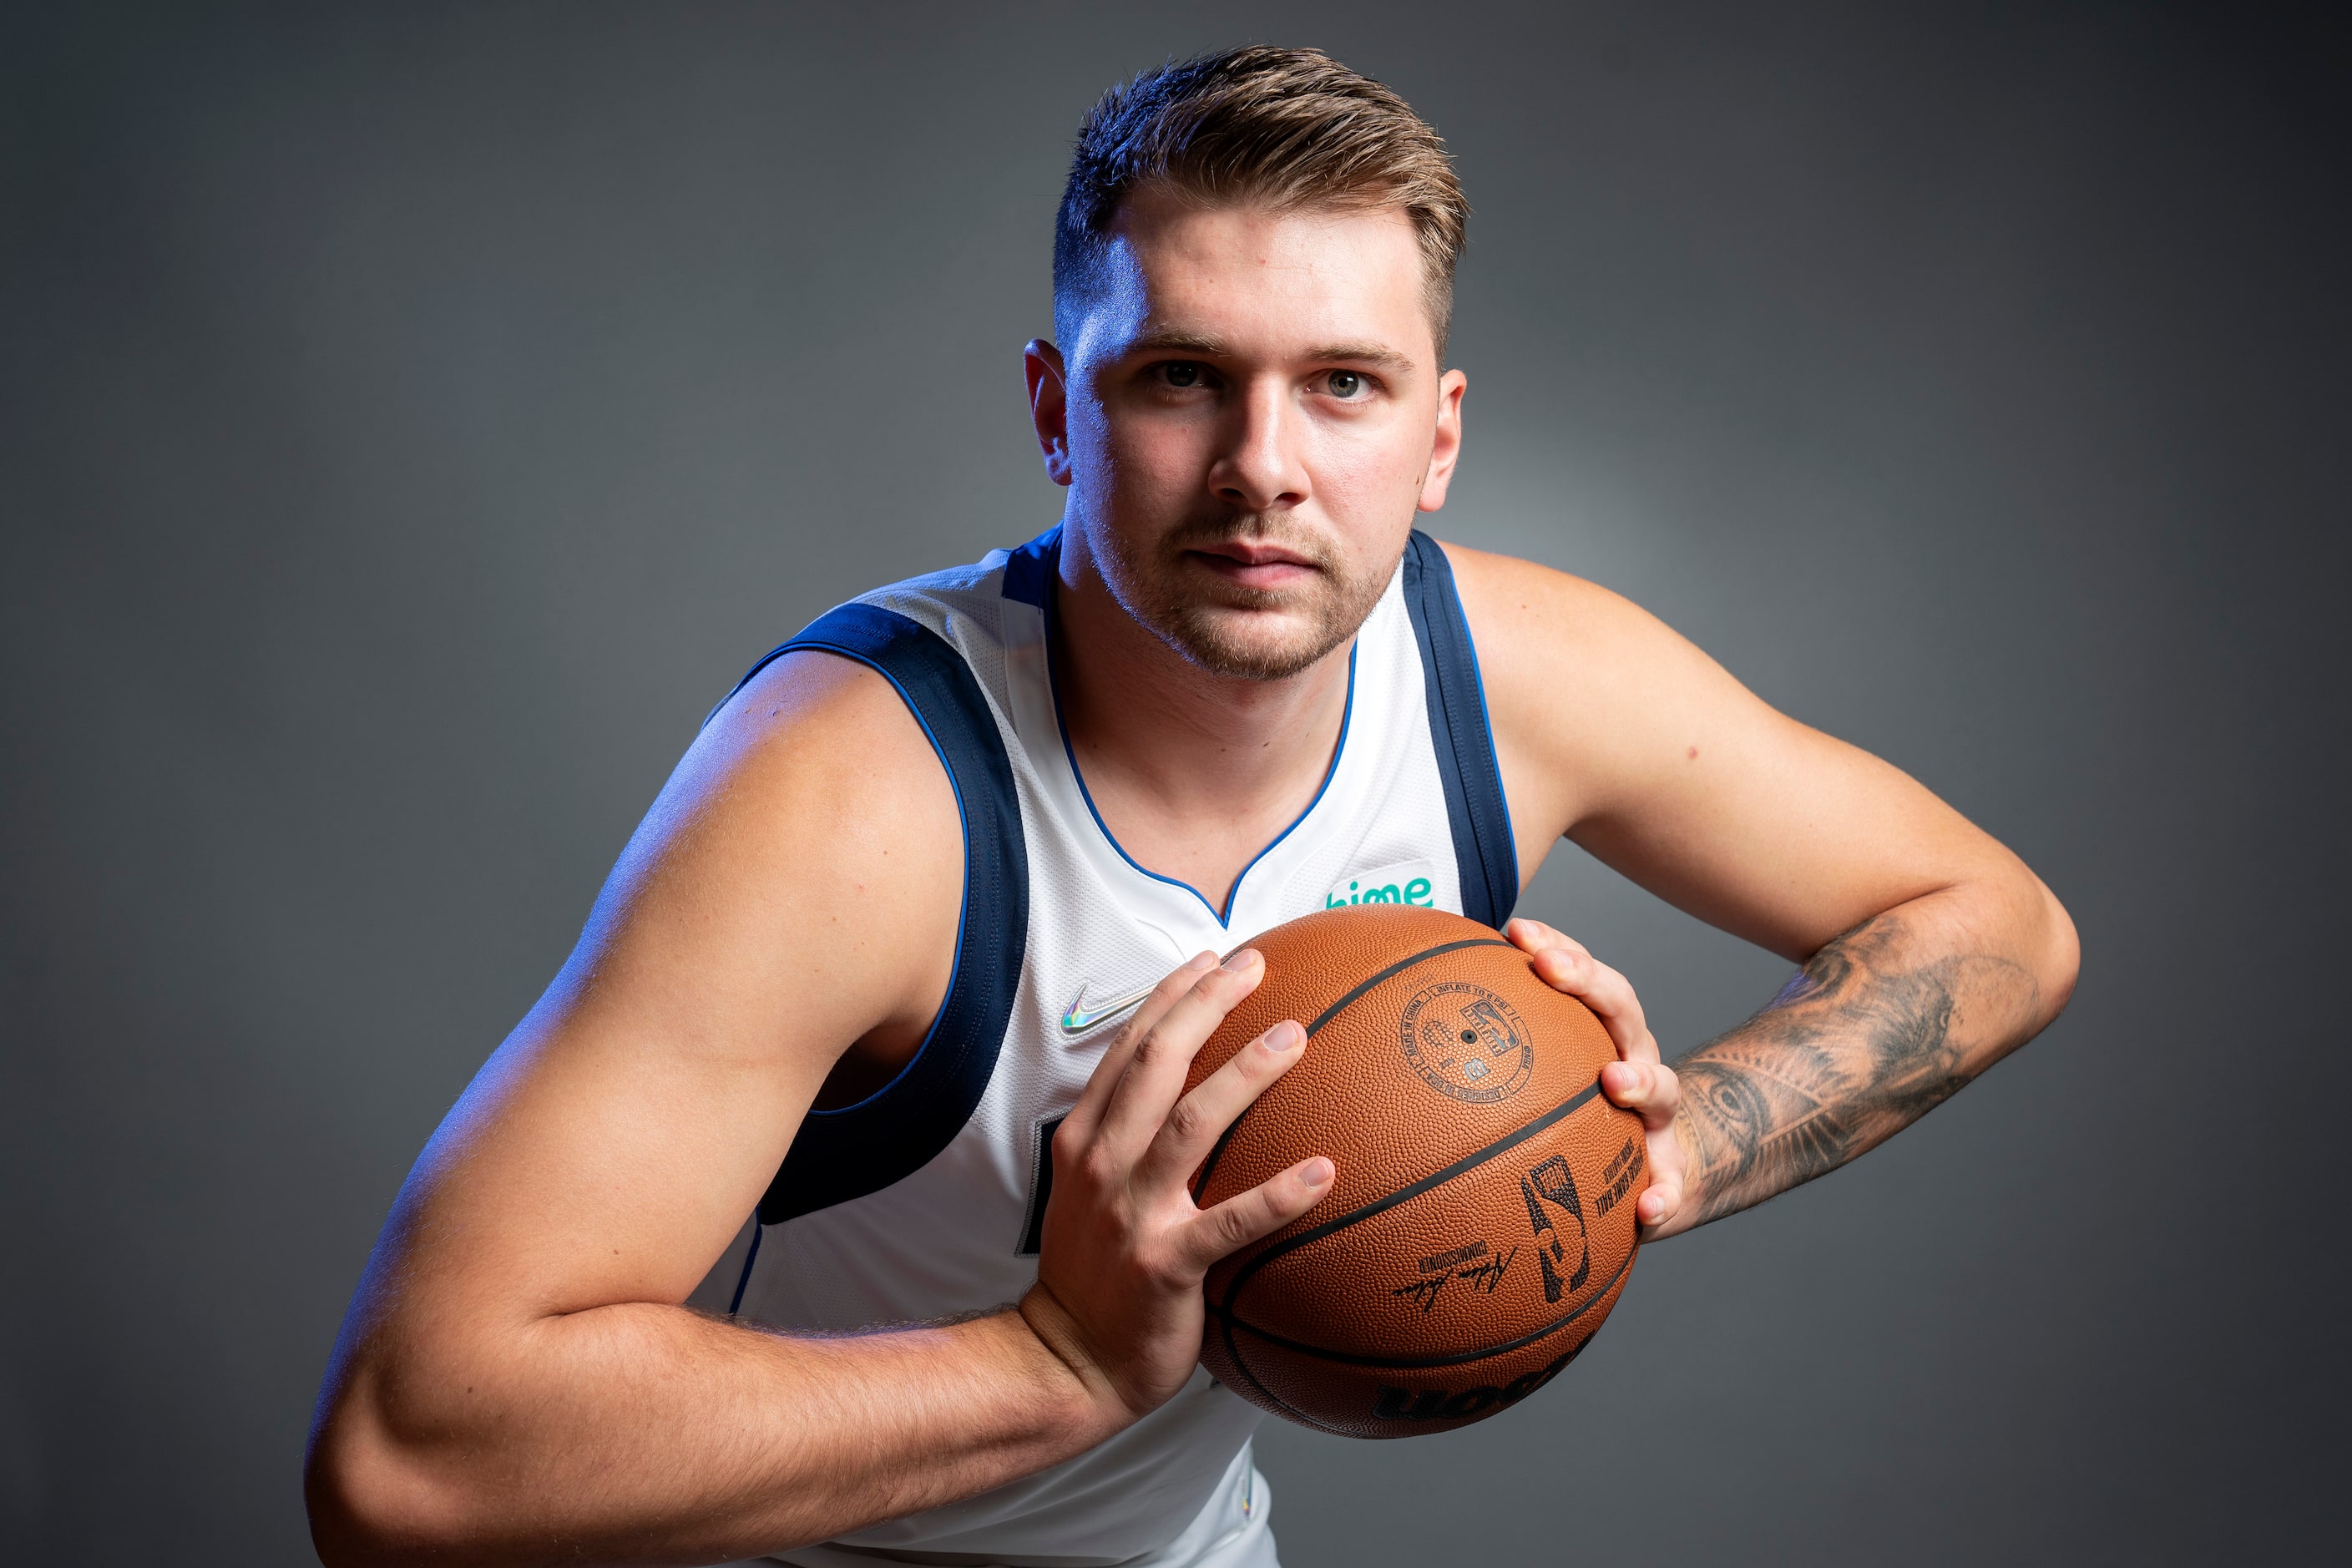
1481 1225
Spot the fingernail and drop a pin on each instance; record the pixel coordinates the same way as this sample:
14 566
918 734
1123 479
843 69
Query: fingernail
1285 1036
1240 960
1316 1172
1201 961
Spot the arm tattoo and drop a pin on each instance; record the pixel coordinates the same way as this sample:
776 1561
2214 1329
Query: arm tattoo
1878 1029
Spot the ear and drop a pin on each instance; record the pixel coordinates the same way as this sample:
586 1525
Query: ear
1445 450
1049 406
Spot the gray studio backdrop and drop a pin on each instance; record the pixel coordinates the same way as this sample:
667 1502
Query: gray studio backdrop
410 421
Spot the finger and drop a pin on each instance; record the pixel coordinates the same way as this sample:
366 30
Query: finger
1259 1212
1534 937
1646 1086
1669 1187
1662 1198
1609 994
1201 1118
1140 1100
1081 1120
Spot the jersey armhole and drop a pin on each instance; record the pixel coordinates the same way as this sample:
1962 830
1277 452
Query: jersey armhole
852 1151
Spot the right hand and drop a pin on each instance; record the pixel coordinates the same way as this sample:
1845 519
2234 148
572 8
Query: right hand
1118 1297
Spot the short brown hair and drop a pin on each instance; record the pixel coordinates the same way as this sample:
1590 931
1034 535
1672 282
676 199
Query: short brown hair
1288 128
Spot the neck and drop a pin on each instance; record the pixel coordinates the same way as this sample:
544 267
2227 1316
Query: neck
1193 773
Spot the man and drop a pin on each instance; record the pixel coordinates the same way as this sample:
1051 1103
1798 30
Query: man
873 963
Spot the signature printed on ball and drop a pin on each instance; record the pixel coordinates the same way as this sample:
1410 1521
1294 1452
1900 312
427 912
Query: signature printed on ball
1466 1042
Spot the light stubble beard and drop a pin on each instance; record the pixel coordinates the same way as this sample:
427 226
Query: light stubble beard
1176 605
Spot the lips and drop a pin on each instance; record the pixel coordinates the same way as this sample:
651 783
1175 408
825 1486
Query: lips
1263 576
1256 553
1253 564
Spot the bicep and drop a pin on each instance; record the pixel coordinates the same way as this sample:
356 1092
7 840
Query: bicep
1767 828
1626 738
779 903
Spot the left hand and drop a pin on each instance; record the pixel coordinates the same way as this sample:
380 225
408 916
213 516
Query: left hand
1638 1080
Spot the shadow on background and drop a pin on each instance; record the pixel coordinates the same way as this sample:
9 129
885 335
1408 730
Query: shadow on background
410 421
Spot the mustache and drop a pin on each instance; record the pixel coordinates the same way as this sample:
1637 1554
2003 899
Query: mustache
1257 528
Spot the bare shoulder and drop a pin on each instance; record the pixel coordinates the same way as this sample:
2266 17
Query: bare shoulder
810 824
819 755
1590 695
1536 620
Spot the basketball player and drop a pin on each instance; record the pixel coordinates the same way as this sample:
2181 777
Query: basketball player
912 952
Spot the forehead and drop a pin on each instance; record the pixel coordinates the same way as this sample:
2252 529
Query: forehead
1268 283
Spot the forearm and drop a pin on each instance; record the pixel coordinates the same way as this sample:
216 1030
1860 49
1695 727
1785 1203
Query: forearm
643 1433
1882 1026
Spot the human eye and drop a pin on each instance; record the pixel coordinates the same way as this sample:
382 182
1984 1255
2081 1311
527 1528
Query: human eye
1183 375
1348 385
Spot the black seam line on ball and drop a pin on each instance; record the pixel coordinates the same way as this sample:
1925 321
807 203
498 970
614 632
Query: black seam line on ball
1336 1008
1217 1150
1282 1406
1468 1163
1422 1364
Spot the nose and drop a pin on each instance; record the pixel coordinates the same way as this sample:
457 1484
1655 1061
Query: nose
1260 466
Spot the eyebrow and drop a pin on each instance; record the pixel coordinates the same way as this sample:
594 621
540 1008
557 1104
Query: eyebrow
1362 353
1212 347
1177 343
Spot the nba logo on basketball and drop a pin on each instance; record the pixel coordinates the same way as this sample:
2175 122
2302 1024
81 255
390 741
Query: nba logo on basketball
1551 1186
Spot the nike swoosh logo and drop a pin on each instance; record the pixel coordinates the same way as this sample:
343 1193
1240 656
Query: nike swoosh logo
1080 1017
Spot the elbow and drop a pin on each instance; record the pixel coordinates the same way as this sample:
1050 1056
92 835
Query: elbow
2058 956
372 1501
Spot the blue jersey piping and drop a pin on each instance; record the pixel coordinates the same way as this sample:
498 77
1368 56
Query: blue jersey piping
1036 561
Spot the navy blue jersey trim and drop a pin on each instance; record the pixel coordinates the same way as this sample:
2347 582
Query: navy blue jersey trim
743 1280
1480 816
1041 1186
893 1132
1028 569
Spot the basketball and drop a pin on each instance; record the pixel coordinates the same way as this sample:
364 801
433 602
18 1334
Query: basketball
1481 1224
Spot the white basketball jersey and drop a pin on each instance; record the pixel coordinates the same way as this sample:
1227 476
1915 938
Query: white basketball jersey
924 1200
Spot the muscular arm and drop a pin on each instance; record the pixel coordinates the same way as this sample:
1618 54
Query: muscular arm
517 1380
1929 949
1882 1026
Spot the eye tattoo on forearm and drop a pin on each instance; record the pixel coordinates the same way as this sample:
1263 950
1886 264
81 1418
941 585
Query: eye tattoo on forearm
1863 1041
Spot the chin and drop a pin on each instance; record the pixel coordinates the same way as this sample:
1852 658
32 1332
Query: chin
1252 645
